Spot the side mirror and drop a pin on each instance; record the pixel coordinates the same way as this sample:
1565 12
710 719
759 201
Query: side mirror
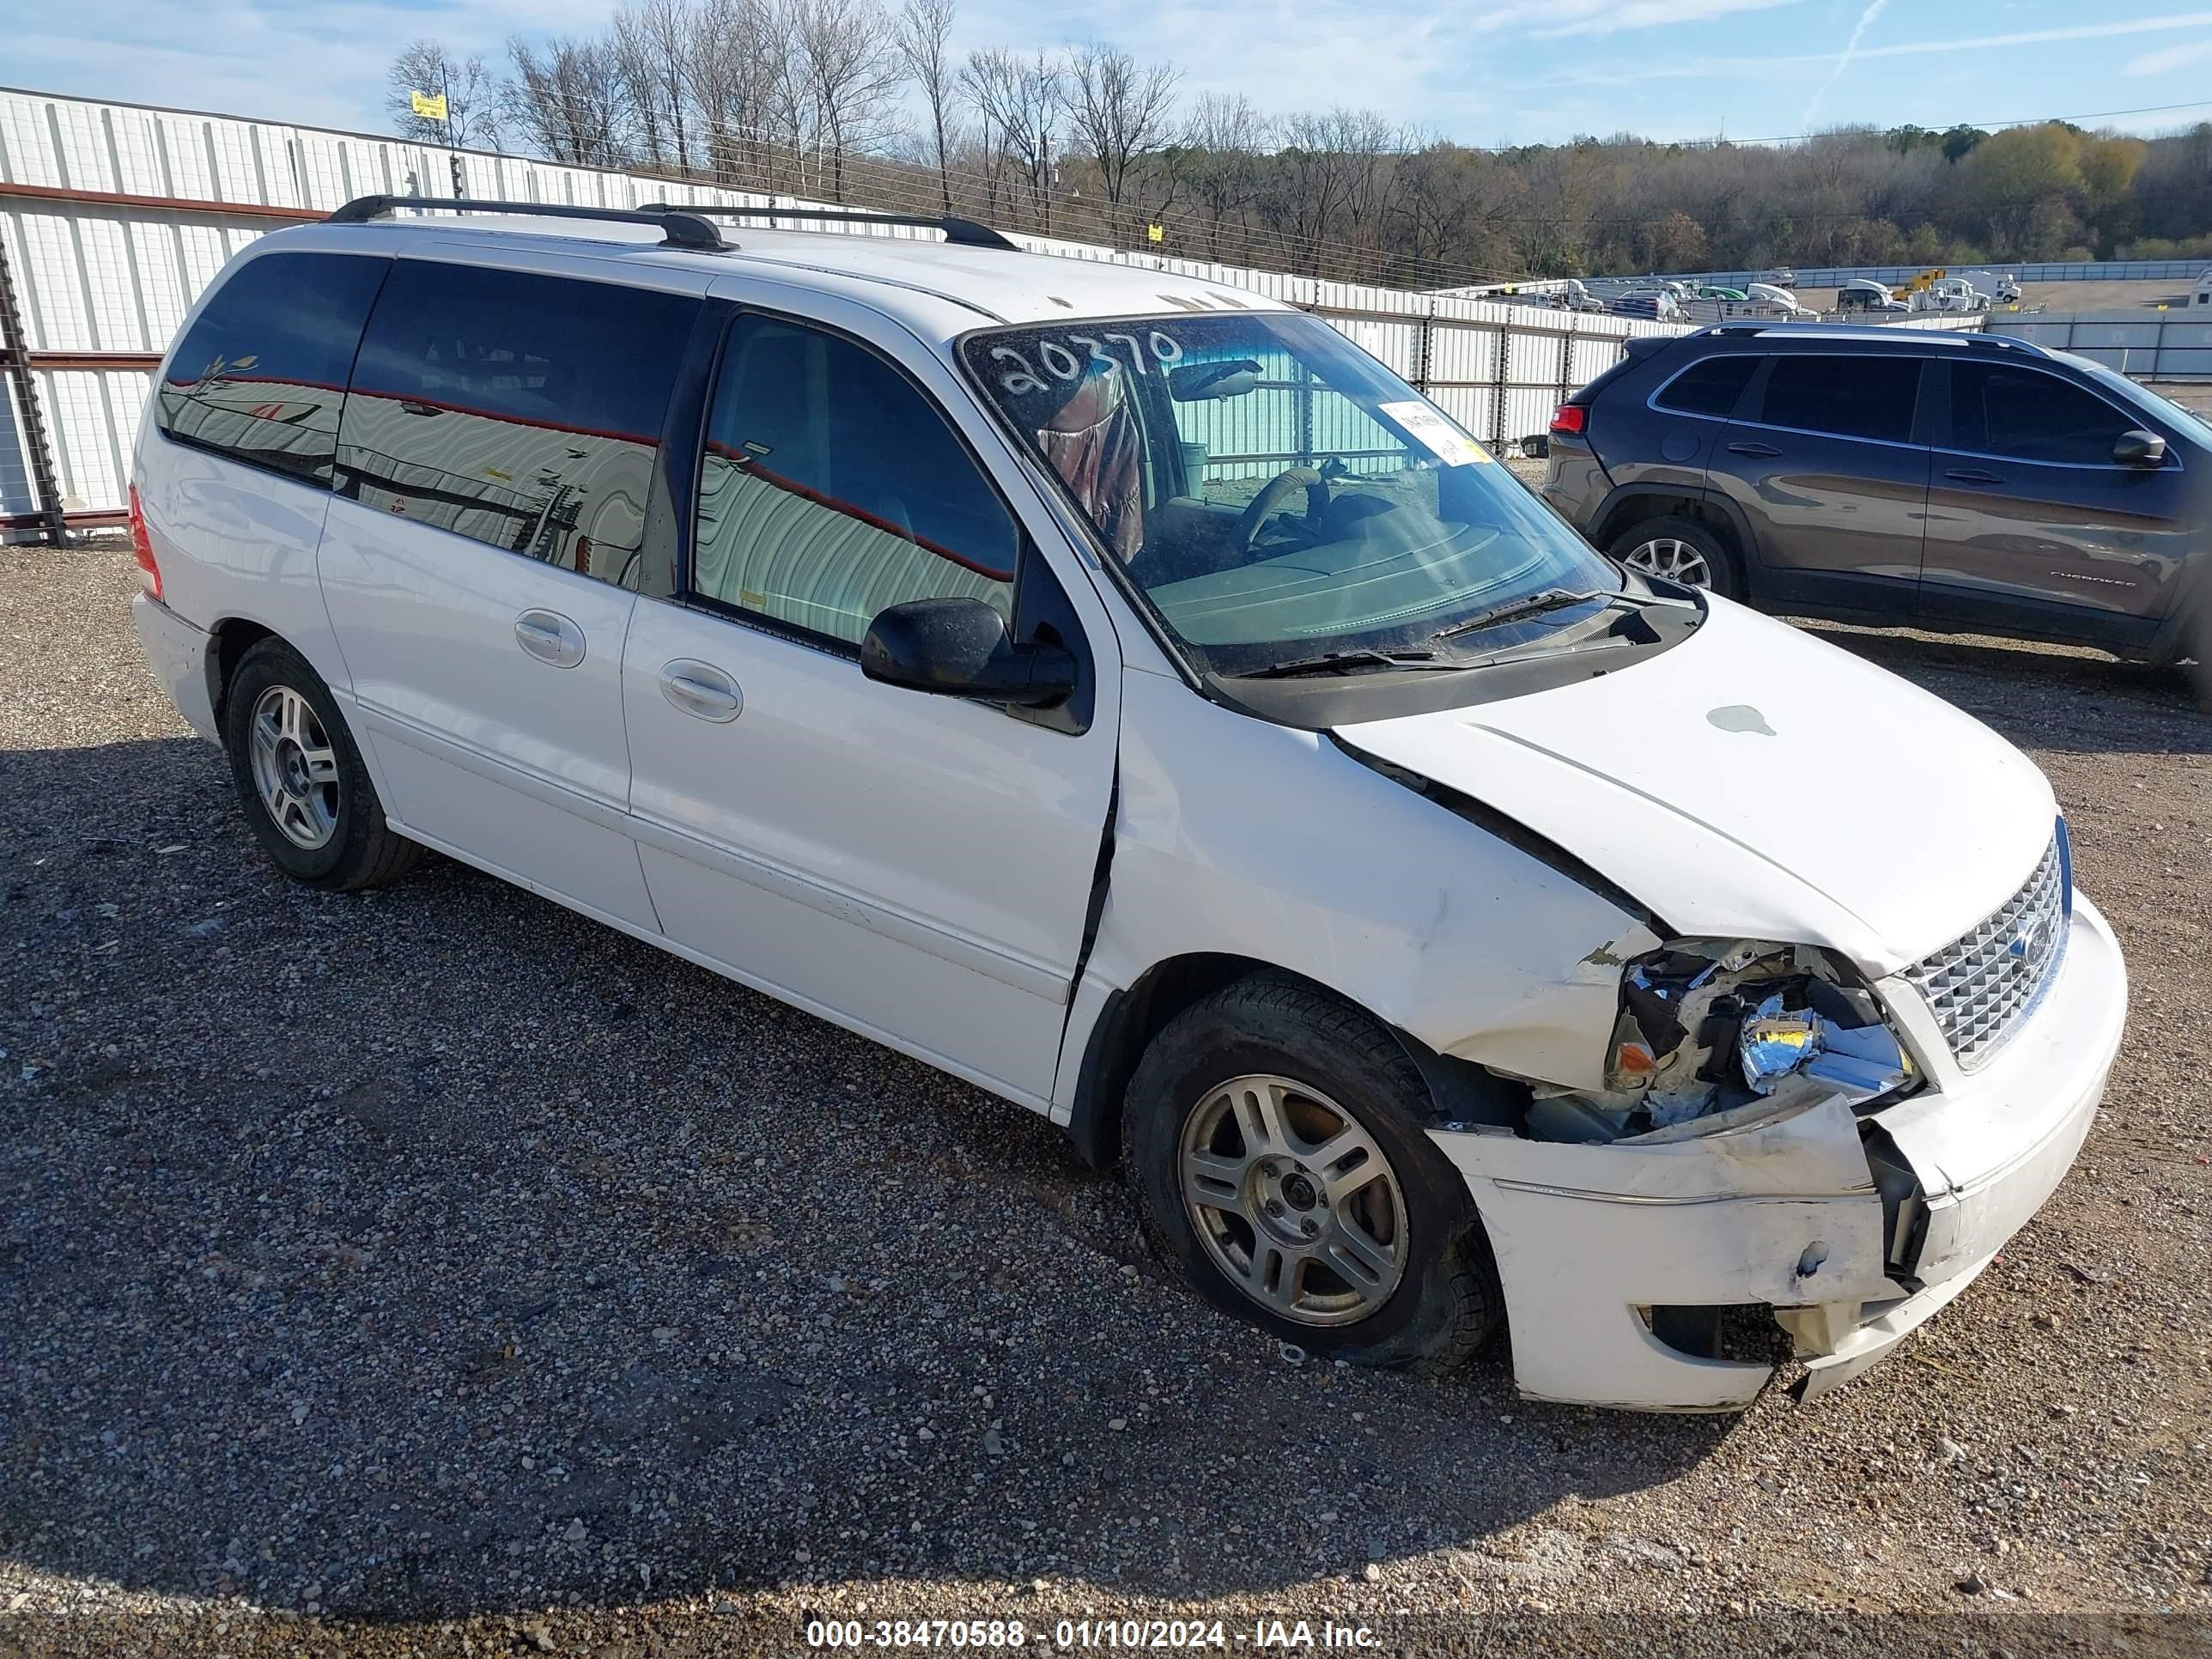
959 648
2139 448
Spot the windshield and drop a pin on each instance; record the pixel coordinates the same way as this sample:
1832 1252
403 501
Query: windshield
1277 495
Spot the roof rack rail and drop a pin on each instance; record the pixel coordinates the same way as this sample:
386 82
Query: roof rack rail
678 228
965 232
2009 341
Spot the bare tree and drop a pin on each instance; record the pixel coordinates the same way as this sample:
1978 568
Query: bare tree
1311 180
846 62
1371 145
568 100
426 67
1220 159
794 109
648 110
1020 102
925 27
730 76
654 43
1118 111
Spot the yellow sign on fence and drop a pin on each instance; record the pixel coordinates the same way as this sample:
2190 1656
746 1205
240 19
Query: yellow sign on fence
1156 232
430 108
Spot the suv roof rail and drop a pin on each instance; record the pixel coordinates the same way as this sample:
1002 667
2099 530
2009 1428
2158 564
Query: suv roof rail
1870 331
2007 342
965 232
678 228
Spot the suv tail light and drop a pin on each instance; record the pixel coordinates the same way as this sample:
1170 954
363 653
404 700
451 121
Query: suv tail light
1571 418
142 545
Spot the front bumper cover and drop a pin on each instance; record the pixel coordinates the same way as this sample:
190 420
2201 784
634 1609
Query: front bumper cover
1588 1238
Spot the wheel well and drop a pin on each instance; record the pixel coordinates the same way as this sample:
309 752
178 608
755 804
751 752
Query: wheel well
1458 1089
1638 508
228 644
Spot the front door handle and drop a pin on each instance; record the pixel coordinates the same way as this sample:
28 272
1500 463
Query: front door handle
1974 475
1762 452
550 637
702 690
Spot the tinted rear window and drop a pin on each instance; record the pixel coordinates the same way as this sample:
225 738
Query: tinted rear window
515 409
261 373
1867 397
1710 387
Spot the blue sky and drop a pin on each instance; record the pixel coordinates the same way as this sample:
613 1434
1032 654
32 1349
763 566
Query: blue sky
1512 71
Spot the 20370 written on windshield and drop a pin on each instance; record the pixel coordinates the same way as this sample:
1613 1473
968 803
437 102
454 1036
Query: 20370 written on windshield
1067 363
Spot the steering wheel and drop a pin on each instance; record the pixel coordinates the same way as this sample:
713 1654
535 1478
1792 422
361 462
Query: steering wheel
1271 497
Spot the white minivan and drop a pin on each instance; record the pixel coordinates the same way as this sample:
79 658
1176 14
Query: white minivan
1121 691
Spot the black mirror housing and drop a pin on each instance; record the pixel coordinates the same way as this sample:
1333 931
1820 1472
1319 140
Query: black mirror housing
959 648
2139 448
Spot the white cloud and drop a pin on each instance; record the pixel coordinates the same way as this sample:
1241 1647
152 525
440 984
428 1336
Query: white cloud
2165 61
1710 68
1568 17
1405 61
1874 10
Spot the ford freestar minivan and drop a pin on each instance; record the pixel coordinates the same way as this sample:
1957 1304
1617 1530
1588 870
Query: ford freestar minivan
1121 691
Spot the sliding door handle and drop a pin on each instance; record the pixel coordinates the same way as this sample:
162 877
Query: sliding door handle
550 637
1974 475
1761 452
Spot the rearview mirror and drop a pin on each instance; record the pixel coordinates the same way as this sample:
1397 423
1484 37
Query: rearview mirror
959 648
1198 383
2140 448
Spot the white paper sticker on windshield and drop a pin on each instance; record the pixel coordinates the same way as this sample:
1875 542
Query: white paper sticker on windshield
1437 435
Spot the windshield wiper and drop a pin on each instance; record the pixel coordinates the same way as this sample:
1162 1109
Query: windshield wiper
1341 662
1552 599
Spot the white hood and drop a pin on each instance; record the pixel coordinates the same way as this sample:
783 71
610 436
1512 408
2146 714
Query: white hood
1757 782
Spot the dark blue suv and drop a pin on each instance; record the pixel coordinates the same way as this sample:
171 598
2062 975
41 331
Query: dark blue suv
1961 481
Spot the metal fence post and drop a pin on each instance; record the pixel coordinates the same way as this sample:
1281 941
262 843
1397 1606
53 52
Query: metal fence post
1497 391
15 370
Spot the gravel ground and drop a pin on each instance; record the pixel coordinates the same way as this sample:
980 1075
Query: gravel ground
435 1271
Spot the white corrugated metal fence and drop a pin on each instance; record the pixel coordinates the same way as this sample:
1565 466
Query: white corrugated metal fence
113 217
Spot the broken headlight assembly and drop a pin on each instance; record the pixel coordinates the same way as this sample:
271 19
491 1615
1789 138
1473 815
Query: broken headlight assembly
1715 1034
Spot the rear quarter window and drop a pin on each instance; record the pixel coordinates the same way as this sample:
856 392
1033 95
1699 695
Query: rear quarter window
260 376
1710 387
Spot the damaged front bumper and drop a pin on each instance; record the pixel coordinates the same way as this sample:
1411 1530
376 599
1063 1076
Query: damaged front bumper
1787 1214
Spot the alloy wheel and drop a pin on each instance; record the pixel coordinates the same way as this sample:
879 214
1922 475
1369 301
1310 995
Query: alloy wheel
1293 1200
1676 560
295 770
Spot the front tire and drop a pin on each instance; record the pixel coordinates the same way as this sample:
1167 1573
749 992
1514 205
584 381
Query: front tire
299 777
1273 1136
1681 550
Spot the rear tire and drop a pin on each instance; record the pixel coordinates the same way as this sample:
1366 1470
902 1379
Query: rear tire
300 779
1373 1254
1681 550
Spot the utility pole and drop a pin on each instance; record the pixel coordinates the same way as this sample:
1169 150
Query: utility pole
453 155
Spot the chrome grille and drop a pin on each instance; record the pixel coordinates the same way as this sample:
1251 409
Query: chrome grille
1979 985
